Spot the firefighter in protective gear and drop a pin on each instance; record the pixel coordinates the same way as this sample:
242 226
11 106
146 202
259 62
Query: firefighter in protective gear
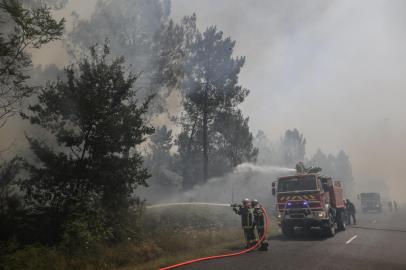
247 221
300 168
259 223
351 212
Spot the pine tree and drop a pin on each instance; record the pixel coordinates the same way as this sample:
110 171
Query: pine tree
89 175
21 29
211 90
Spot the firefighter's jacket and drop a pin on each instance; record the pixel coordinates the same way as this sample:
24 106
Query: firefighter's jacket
247 216
351 208
259 219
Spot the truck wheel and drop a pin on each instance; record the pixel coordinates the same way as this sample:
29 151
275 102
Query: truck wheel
341 224
330 231
288 230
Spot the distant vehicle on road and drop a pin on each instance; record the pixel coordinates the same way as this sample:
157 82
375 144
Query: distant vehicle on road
309 200
370 201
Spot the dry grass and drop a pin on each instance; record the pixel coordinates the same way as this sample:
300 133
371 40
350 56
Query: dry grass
197 244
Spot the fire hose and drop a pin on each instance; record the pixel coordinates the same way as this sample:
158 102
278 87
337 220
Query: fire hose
228 254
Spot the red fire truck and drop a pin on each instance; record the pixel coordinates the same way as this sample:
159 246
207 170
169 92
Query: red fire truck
309 201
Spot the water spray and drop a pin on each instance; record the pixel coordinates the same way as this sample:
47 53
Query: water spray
185 203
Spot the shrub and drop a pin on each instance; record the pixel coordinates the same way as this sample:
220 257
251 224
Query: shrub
34 257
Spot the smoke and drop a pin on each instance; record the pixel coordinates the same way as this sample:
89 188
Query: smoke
332 69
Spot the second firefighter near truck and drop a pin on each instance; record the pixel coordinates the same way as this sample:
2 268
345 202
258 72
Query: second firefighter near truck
259 223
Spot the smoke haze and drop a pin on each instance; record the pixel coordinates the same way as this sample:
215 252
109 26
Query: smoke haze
332 69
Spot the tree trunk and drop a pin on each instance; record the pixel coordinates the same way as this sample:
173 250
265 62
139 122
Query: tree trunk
205 138
186 184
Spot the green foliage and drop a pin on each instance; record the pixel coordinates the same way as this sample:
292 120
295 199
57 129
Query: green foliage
11 203
89 179
234 139
34 257
8 173
21 28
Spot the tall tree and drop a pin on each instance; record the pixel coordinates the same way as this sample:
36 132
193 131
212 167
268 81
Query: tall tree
211 88
20 29
343 169
325 162
160 158
293 147
265 151
90 176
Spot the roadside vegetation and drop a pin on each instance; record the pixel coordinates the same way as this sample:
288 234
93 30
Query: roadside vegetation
168 236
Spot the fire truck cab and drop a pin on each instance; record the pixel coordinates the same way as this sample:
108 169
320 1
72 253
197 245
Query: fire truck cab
309 201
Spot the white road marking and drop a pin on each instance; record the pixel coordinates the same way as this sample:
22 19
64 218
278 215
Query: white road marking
373 221
352 238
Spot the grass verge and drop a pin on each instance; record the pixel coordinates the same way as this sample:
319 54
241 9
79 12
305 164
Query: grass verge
200 246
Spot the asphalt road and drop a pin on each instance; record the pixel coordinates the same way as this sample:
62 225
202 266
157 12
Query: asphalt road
378 243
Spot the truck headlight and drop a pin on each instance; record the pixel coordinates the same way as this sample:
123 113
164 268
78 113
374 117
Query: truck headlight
320 214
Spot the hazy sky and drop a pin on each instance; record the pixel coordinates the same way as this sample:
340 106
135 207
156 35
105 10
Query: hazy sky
332 69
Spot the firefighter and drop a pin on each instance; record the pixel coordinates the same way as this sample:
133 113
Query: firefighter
300 168
345 211
351 212
247 221
259 223
395 206
390 206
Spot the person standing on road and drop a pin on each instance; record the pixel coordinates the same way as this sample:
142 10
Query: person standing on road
345 211
247 221
351 212
390 206
259 223
395 205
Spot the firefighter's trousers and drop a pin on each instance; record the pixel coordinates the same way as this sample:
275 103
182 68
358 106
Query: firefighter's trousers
249 236
264 245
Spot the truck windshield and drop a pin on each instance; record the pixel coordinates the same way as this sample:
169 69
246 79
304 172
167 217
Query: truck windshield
297 184
370 196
